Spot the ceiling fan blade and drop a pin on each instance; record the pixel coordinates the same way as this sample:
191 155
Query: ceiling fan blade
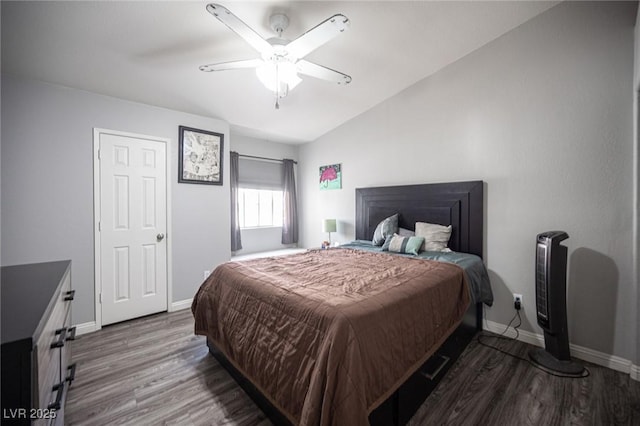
317 36
323 73
233 65
236 25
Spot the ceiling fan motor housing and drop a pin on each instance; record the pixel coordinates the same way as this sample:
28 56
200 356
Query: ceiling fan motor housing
278 23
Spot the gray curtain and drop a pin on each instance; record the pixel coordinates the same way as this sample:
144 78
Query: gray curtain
290 220
236 240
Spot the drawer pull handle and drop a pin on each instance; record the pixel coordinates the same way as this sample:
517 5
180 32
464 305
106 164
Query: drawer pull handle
56 404
444 360
72 333
72 373
60 342
70 295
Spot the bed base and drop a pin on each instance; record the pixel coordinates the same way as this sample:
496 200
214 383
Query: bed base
405 401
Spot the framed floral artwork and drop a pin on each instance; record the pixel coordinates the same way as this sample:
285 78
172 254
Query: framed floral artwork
200 156
330 177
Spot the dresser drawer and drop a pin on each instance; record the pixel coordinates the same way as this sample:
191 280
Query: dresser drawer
53 410
67 371
36 306
48 373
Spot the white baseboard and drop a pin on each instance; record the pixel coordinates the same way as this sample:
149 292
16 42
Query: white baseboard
86 327
90 327
182 304
599 358
580 352
635 372
524 336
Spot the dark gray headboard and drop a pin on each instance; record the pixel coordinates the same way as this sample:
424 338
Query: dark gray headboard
459 204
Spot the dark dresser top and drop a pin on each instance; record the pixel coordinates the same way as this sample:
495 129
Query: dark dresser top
27 292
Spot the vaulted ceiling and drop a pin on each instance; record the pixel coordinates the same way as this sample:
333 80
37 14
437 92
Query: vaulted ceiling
150 52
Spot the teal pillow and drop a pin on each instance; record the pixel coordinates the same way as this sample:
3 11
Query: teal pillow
385 230
407 245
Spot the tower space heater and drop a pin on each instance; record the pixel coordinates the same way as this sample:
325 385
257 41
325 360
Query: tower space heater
551 306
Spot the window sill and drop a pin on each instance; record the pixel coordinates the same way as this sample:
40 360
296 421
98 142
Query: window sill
281 252
260 227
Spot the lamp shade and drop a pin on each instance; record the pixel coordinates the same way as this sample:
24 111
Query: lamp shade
329 225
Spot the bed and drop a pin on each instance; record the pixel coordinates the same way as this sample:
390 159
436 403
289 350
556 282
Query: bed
351 335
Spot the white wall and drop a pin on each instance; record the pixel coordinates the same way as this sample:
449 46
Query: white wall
262 239
544 116
636 178
47 177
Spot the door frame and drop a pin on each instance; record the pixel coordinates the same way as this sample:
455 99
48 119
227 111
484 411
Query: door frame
96 216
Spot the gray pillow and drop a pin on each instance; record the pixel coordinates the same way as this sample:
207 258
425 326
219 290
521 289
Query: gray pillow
385 229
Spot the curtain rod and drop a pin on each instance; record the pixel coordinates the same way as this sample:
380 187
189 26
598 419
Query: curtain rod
264 158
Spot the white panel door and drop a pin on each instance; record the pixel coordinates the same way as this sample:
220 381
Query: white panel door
133 223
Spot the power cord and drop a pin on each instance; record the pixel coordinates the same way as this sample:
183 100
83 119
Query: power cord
502 336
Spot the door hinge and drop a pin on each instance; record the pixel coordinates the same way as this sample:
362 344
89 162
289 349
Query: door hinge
99 226
100 297
99 152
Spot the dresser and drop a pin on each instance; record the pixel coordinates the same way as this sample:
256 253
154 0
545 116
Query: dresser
36 369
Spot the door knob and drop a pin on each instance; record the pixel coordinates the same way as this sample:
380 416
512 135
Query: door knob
160 237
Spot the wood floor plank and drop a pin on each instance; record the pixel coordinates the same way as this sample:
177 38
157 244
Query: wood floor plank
154 371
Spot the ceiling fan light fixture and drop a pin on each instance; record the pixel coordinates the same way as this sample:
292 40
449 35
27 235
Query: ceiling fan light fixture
278 75
282 60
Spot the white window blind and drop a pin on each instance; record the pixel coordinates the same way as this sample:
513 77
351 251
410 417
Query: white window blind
260 174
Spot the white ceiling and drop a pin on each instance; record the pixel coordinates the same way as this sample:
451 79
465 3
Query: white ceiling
149 52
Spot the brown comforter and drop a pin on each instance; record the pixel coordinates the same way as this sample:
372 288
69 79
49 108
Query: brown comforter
328 335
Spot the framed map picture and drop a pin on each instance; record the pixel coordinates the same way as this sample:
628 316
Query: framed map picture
201 153
331 177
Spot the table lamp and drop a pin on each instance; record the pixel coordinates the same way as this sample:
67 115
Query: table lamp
329 226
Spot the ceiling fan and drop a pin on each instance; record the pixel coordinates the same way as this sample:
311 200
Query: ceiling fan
281 60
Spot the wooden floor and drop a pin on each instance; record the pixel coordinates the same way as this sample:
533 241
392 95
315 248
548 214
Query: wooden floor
154 371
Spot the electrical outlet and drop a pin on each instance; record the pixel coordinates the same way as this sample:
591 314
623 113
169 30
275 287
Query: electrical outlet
517 301
206 274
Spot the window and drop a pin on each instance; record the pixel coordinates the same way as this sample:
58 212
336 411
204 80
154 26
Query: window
259 208
260 193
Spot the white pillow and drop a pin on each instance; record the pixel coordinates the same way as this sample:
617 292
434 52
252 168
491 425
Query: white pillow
436 237
403 232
